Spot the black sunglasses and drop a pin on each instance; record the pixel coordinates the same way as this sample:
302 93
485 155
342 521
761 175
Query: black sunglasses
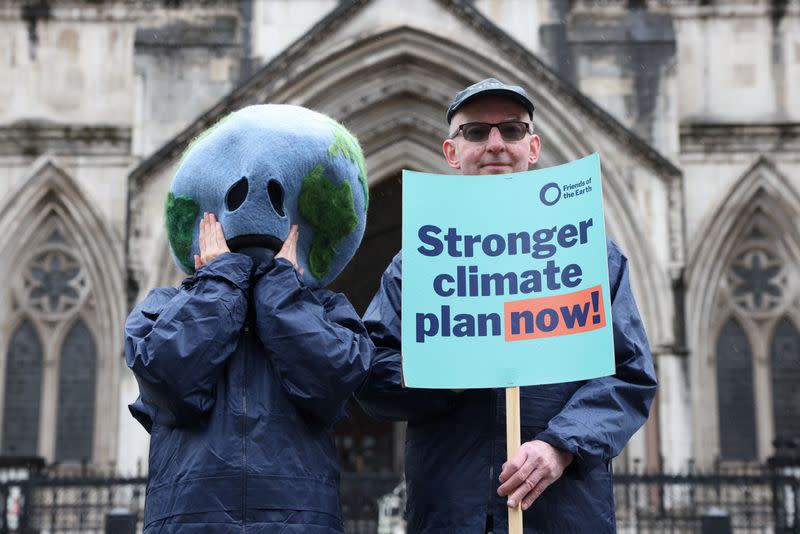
477 132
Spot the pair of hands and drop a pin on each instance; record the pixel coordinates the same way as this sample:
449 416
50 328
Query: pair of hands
213 244
531 470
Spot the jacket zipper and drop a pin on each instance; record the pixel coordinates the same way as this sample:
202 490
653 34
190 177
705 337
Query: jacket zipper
244 427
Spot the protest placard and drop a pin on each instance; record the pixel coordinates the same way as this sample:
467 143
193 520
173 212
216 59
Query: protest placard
505 278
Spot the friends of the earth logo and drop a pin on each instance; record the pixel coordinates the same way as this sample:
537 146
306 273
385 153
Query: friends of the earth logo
551 192
538 317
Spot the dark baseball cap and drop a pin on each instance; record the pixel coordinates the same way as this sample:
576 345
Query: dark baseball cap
490 86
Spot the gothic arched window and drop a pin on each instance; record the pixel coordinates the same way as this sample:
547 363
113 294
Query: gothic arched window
737 419
756 349
743 318
51 291
23 392
76 395
785 366
61 281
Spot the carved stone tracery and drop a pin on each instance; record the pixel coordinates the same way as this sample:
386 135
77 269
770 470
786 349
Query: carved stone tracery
54 284
756 278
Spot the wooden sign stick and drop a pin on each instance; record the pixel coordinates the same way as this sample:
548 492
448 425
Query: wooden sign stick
512 444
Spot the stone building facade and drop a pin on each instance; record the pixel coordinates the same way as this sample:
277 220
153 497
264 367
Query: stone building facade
692 105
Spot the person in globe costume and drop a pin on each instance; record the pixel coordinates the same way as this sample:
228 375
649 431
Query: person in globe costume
245 368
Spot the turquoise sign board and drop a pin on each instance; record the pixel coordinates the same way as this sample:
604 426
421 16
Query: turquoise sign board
505 278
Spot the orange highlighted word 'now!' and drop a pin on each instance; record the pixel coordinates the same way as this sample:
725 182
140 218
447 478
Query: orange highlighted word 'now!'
572 313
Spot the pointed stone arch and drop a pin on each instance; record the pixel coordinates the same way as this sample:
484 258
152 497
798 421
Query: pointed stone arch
761 183
48 200
402 81
762 200
391 90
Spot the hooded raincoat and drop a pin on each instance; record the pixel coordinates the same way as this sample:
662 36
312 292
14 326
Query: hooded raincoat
456 442
242 373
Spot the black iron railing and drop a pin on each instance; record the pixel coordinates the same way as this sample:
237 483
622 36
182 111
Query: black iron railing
764 499
750 503
49 501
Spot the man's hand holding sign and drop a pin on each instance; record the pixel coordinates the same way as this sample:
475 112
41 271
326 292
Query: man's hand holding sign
508 282
529 472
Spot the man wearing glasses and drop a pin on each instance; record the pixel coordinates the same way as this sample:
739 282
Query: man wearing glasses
457 476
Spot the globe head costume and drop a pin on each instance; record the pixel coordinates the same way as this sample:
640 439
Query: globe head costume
244 369
262 169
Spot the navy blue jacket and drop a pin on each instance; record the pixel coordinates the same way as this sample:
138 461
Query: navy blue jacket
242 373
456 442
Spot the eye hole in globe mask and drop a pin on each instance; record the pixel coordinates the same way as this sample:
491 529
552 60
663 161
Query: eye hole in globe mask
275 191
237 194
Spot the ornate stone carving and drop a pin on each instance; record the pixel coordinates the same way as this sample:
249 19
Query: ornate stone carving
54 285
757 281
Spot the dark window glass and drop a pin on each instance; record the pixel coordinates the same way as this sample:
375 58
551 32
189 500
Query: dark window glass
76 395
23 392
737 421
785 359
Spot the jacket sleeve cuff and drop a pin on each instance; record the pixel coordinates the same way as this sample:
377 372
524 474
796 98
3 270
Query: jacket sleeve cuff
278 268
281 265
142 413
232 267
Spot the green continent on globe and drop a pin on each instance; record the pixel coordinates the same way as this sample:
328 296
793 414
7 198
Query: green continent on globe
181 213
347 144
330 210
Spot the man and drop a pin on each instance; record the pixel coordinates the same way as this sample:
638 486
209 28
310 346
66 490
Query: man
457 476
